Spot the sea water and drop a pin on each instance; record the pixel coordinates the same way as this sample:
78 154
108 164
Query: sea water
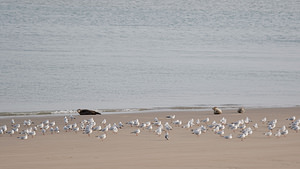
145 54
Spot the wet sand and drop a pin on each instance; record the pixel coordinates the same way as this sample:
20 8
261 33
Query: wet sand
147 150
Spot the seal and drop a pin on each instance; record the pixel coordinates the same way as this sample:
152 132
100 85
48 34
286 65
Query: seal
217 110
241 110
87 112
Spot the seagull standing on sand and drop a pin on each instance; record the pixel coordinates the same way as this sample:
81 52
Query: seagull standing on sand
115 130
269 133
158 131
278 134
264 120
136 132
242 136
149 127
25 137
293 118
102 137
12 122
206 120
44 131
197 131
11 132
66 120
56 129
228 137
167 136
103 121
33 133
285 132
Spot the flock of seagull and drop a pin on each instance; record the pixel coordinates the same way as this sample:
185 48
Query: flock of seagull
242 128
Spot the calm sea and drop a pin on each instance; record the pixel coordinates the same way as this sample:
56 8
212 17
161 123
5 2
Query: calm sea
147 54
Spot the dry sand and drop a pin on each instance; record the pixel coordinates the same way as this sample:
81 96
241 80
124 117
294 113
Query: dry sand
147 150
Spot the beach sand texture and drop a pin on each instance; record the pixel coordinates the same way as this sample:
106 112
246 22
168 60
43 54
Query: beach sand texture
69 150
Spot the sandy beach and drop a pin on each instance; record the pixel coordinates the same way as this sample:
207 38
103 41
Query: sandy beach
148 150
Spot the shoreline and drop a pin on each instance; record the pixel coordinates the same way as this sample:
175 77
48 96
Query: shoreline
133 110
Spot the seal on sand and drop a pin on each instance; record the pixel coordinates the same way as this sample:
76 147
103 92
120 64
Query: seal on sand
87 112
241 110
217 110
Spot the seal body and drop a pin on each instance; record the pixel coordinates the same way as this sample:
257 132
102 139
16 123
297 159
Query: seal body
217 110
241 110
87 112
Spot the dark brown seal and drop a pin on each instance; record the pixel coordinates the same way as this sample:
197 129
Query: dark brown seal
87 112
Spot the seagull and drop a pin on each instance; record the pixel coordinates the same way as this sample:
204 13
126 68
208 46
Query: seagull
76 129
158 131
33 133
66 120
102 137
221 133
4 128
11 132
12 122
177 123
103 121
168 127
52 124
88 131
197 131
44 131
66 128
198 122
206 120
269 133
228 137
247 120
23 137
284 133
56 130
136 132
149 127
255 126
242 136
105 129
167 136
72 117
283 128
98 128
143 126
278 134
115 130
51 130
172 117
264 120
296 128
293 118
121 125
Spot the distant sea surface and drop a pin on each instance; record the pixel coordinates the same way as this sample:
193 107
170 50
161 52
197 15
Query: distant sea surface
147 54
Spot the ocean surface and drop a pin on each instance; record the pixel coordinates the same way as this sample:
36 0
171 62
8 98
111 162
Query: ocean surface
124 55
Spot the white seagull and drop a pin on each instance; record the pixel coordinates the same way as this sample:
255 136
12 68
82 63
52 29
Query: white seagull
25 137
102 137
167 136
228 137
136 132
